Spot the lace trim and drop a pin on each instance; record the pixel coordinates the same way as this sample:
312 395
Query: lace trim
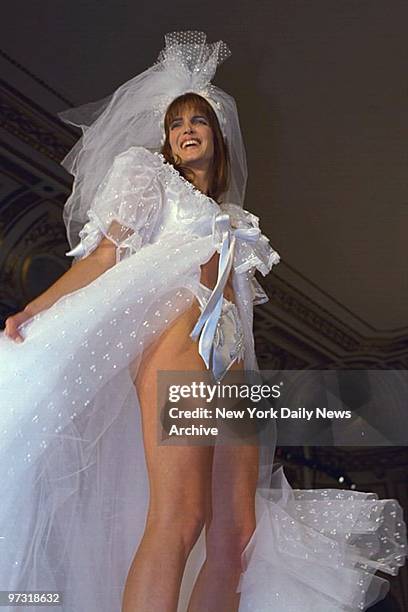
174 172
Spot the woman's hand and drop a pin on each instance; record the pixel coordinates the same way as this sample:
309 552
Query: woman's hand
14 322
79 275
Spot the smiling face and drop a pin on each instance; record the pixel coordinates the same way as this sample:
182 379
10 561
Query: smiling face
191 138
190 117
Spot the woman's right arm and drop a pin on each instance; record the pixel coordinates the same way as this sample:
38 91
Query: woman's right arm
127 201
79 275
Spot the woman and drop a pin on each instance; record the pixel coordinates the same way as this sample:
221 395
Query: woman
180 476
102 512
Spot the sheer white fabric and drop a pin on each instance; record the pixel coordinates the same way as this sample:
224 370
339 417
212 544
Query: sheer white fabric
72 465
126 207
134 115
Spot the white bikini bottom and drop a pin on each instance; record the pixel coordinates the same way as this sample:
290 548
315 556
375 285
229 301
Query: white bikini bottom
228 343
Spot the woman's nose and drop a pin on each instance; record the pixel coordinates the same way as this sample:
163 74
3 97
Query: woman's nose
188 128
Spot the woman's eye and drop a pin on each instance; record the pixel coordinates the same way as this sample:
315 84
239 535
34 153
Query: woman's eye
174 125
201 120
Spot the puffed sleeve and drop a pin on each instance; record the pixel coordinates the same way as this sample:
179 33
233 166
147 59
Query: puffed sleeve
126 207
253 251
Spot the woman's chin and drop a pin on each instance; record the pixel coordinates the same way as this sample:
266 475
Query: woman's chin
194 158
191 156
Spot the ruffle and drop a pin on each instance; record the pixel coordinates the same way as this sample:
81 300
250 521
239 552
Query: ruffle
90 236
132 196
258 294
96 229
126 207
318 550
250 255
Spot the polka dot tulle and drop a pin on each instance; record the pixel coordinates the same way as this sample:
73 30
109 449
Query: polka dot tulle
193 62
72 465
319 549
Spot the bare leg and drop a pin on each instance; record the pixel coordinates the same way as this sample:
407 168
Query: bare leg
229 526
180 486
234 480
154 579
179 478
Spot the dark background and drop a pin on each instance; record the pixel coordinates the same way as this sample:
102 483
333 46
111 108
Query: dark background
321 87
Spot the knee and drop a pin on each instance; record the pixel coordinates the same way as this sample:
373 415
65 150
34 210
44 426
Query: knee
183 524
226 542
188 526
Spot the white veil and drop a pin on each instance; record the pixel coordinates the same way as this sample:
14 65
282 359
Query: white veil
133 116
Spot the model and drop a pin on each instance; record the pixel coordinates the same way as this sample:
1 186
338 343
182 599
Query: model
163 280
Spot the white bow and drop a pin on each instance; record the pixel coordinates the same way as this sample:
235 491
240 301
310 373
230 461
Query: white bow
207 322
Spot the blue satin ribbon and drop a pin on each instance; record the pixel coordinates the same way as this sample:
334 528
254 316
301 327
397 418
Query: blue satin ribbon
207 322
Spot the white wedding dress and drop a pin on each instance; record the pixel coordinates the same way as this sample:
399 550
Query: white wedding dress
72 467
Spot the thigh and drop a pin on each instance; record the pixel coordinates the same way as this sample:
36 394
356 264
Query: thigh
183 472
178 475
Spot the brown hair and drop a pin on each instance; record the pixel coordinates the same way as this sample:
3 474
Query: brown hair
221 161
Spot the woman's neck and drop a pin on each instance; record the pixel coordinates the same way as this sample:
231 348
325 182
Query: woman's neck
201 179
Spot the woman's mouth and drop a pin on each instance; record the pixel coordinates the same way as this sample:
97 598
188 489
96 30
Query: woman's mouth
192 142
